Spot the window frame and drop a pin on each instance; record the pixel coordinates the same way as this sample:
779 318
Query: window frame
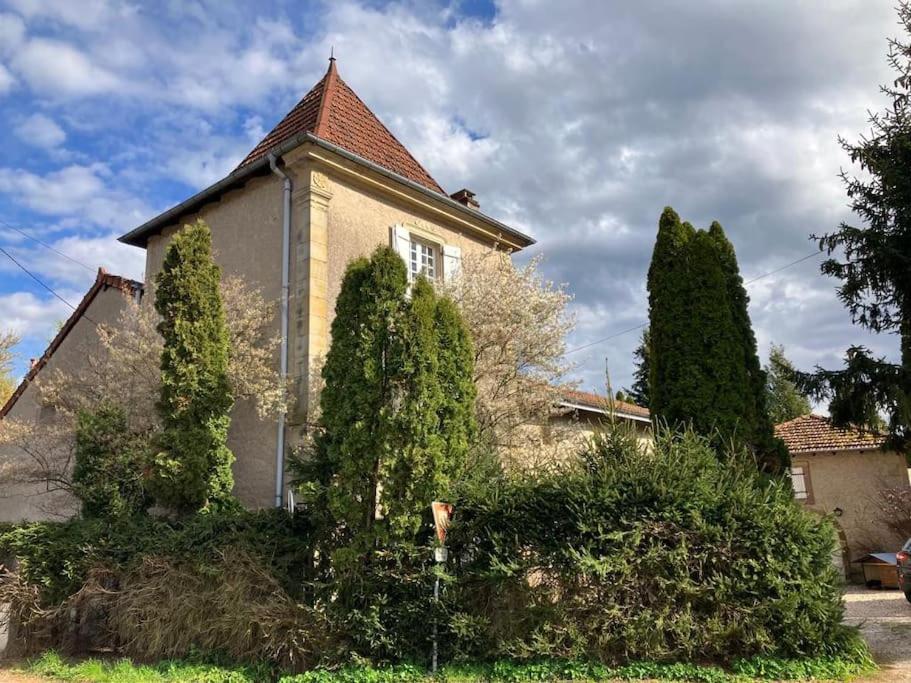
433 249
807 483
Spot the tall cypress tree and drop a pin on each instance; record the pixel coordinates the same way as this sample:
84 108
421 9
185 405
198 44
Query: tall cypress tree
756 424
192 466
704 367
397 407
669 295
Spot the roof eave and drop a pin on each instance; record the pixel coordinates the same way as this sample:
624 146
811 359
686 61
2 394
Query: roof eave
138 237
603 411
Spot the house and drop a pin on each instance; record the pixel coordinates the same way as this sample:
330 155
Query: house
327 184
842 472
101 305
590 412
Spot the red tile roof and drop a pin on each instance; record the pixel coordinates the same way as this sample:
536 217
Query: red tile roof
103 280
588 399
332 111
813 433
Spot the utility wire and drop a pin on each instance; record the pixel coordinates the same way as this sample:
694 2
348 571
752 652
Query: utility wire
47 246
641 325
40 281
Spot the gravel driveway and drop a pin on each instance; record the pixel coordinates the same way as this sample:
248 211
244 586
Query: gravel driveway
884 618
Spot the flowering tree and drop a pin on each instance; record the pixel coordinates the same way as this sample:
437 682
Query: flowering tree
8 340
123 369
518 323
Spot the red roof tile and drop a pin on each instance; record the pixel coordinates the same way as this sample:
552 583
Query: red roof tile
103 280
586 398
812 433
333 112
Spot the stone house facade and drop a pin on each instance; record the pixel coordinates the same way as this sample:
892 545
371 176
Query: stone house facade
842 473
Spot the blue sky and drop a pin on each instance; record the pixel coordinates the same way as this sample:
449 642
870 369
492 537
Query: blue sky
575 126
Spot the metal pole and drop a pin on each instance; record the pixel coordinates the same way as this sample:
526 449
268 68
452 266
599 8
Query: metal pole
440 555
436 602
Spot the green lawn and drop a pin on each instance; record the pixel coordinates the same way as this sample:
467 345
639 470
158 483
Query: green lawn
55 668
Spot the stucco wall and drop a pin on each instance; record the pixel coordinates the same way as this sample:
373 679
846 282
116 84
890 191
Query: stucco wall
850 480
360 221
246 242
34 502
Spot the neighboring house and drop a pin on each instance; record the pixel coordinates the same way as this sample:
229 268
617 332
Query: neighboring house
328 184
101 305
592 412
841 473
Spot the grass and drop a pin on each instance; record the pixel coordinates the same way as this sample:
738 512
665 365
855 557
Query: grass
54 667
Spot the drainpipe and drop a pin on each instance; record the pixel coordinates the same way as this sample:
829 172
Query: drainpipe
283 371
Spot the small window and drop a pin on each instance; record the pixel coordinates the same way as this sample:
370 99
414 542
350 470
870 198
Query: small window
423 260
800 483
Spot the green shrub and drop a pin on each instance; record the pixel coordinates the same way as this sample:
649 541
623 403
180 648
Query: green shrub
662 554
57 557
107 476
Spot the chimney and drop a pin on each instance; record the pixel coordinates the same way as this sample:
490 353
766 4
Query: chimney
466 197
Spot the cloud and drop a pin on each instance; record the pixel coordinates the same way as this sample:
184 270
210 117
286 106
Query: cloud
31 316
7 81
57 69
575 126
86 192
40 131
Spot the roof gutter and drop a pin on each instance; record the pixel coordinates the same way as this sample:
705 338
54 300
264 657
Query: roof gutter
139 236
602 411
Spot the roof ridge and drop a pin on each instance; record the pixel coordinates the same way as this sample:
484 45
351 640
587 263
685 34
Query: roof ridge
389 132
330 83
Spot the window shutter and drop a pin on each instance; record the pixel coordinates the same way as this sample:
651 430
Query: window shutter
401 242
452 261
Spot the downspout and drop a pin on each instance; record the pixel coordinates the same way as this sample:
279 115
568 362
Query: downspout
283 363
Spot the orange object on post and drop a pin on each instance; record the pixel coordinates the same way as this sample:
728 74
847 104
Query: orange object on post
442 514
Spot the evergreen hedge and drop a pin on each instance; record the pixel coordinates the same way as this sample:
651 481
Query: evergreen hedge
662 554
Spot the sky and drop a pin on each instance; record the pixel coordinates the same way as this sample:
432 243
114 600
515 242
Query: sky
574 122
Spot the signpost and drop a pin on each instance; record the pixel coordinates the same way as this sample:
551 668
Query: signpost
442 514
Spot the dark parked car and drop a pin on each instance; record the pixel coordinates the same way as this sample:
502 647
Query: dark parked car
903 558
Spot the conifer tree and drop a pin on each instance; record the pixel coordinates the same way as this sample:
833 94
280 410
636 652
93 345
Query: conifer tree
638 393
872 260
397 410
785 400
192 465
704 366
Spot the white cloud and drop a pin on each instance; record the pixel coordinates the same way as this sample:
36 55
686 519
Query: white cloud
84 14
40 131
30 316
75 191
58 69
6 80
12 31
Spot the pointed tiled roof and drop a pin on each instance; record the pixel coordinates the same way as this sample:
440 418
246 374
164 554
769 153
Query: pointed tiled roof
333 111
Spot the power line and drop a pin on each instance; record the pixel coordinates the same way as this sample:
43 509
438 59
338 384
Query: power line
641 325
47 246
38 279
